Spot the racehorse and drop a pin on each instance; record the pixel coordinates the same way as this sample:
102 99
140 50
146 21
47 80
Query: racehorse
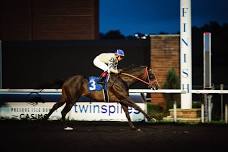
118 88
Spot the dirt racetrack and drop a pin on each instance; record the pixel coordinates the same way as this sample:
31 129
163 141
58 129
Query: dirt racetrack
38 136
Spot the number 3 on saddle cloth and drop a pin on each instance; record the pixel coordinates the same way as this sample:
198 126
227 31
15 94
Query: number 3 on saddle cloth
94 86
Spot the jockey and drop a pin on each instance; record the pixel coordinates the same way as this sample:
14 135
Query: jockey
108 63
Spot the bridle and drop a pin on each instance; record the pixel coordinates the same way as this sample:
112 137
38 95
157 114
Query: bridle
145 75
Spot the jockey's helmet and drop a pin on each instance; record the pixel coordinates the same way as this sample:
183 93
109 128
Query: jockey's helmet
119 52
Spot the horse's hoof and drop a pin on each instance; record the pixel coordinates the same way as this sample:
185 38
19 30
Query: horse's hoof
63 120
68 128
133 128
44 119
154 120
138 130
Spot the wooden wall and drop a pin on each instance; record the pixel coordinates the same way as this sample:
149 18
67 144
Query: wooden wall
165 54
49 20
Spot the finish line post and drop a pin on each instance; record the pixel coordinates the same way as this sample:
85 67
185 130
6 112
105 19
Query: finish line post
186 53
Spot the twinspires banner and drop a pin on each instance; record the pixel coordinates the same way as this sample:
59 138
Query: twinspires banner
83 111
28 110
99 111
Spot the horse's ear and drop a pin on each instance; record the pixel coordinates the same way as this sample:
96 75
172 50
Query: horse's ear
150 70
120 70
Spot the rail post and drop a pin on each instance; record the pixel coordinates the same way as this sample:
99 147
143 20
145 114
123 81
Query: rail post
207 73
175 111
202 113
0 64
210 106
222 107
226 113
205 108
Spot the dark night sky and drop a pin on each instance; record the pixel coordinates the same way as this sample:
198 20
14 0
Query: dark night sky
155 16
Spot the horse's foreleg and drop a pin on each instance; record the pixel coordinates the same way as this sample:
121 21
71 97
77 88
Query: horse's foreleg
136 107
123 96
125 108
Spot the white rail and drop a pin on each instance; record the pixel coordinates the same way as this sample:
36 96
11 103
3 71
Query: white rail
30 90
58 91
210 91
157 91
43 91
179 91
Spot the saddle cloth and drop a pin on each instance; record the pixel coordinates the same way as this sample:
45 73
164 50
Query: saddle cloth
94 86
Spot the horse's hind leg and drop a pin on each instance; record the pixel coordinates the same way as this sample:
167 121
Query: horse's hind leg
125 108
55 107
68 106
66 109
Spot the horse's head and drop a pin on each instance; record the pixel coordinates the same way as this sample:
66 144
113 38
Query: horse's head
153 82
141 73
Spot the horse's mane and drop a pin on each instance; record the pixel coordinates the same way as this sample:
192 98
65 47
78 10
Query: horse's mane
132 68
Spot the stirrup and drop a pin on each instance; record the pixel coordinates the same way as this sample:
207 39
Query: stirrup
105 94
101 81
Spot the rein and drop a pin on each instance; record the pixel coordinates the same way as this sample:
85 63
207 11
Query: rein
136 78
145 73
